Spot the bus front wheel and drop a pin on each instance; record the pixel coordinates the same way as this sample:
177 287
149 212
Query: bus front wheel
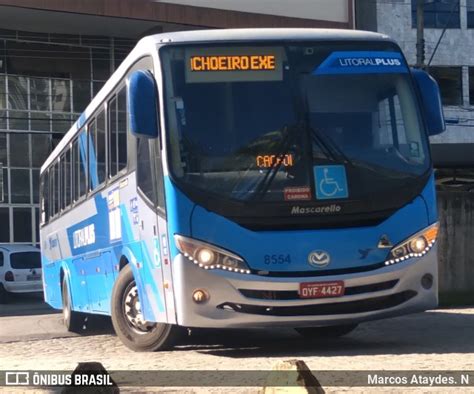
129 324
326 332
73 320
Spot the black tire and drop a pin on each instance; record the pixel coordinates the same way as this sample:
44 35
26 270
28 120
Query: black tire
74 321
138 335
326 332
4 296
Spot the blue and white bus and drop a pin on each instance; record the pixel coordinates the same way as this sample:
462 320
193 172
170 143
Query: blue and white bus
246 178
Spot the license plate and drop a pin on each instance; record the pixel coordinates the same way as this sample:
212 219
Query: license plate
321 289
33 277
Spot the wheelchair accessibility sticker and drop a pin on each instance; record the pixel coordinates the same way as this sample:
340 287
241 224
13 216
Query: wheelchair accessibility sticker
331 182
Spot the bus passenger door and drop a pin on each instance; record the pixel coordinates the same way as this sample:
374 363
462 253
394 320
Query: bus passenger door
152 228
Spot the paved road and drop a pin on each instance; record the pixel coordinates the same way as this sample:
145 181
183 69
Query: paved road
435 340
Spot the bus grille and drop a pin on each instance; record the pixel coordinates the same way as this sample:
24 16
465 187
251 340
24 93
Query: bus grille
336 308
293 294
312 273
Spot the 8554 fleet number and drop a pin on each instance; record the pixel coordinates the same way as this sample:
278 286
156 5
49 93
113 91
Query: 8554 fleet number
277 259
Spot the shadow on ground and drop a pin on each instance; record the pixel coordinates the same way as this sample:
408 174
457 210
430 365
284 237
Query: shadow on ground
25 304
426 333
97 325
434 332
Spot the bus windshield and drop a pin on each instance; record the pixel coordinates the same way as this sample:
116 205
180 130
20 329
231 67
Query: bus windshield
286 123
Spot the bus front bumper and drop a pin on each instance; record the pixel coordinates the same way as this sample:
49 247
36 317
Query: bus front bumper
241 300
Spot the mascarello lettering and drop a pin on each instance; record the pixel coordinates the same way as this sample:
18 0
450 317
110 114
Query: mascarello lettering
333 208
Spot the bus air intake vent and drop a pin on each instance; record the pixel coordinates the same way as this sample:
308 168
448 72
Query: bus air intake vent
336 308
293 294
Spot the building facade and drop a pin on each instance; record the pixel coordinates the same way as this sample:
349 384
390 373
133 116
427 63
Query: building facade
56 54
449 49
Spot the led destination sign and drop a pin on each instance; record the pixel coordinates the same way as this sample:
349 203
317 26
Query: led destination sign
233 63
267 161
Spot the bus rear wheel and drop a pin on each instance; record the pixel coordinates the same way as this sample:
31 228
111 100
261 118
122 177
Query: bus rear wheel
326 332
73 320
129 324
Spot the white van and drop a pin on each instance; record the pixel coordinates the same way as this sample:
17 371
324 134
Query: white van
20 270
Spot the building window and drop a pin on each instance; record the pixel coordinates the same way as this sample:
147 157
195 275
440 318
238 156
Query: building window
19 150
471 85
439 14
450 84
5 227
22 225
81 95
470 13
3 150
44 86
20 186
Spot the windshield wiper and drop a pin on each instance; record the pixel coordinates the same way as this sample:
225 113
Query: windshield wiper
264 184
331 151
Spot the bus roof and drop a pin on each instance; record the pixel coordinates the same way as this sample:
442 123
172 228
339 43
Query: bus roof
293 34
207 36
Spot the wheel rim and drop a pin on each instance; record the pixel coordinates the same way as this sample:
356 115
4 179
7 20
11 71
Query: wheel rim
133 312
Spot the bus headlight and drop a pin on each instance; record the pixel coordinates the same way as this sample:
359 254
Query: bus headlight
209 256
415 246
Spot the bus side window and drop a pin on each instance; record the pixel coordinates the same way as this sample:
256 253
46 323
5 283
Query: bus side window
75 170
145 169
92 144
160 187
63 181
122 128
118 132
100 146
82 142
112 113
50 201
147 159
57 190
67 178
44 193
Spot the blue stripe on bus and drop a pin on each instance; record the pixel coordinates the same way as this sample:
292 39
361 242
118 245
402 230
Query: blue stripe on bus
148 262
133 250
93 164
81 121
83 150
101 224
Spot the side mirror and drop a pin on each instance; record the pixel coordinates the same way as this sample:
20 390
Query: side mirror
430 101
142 104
